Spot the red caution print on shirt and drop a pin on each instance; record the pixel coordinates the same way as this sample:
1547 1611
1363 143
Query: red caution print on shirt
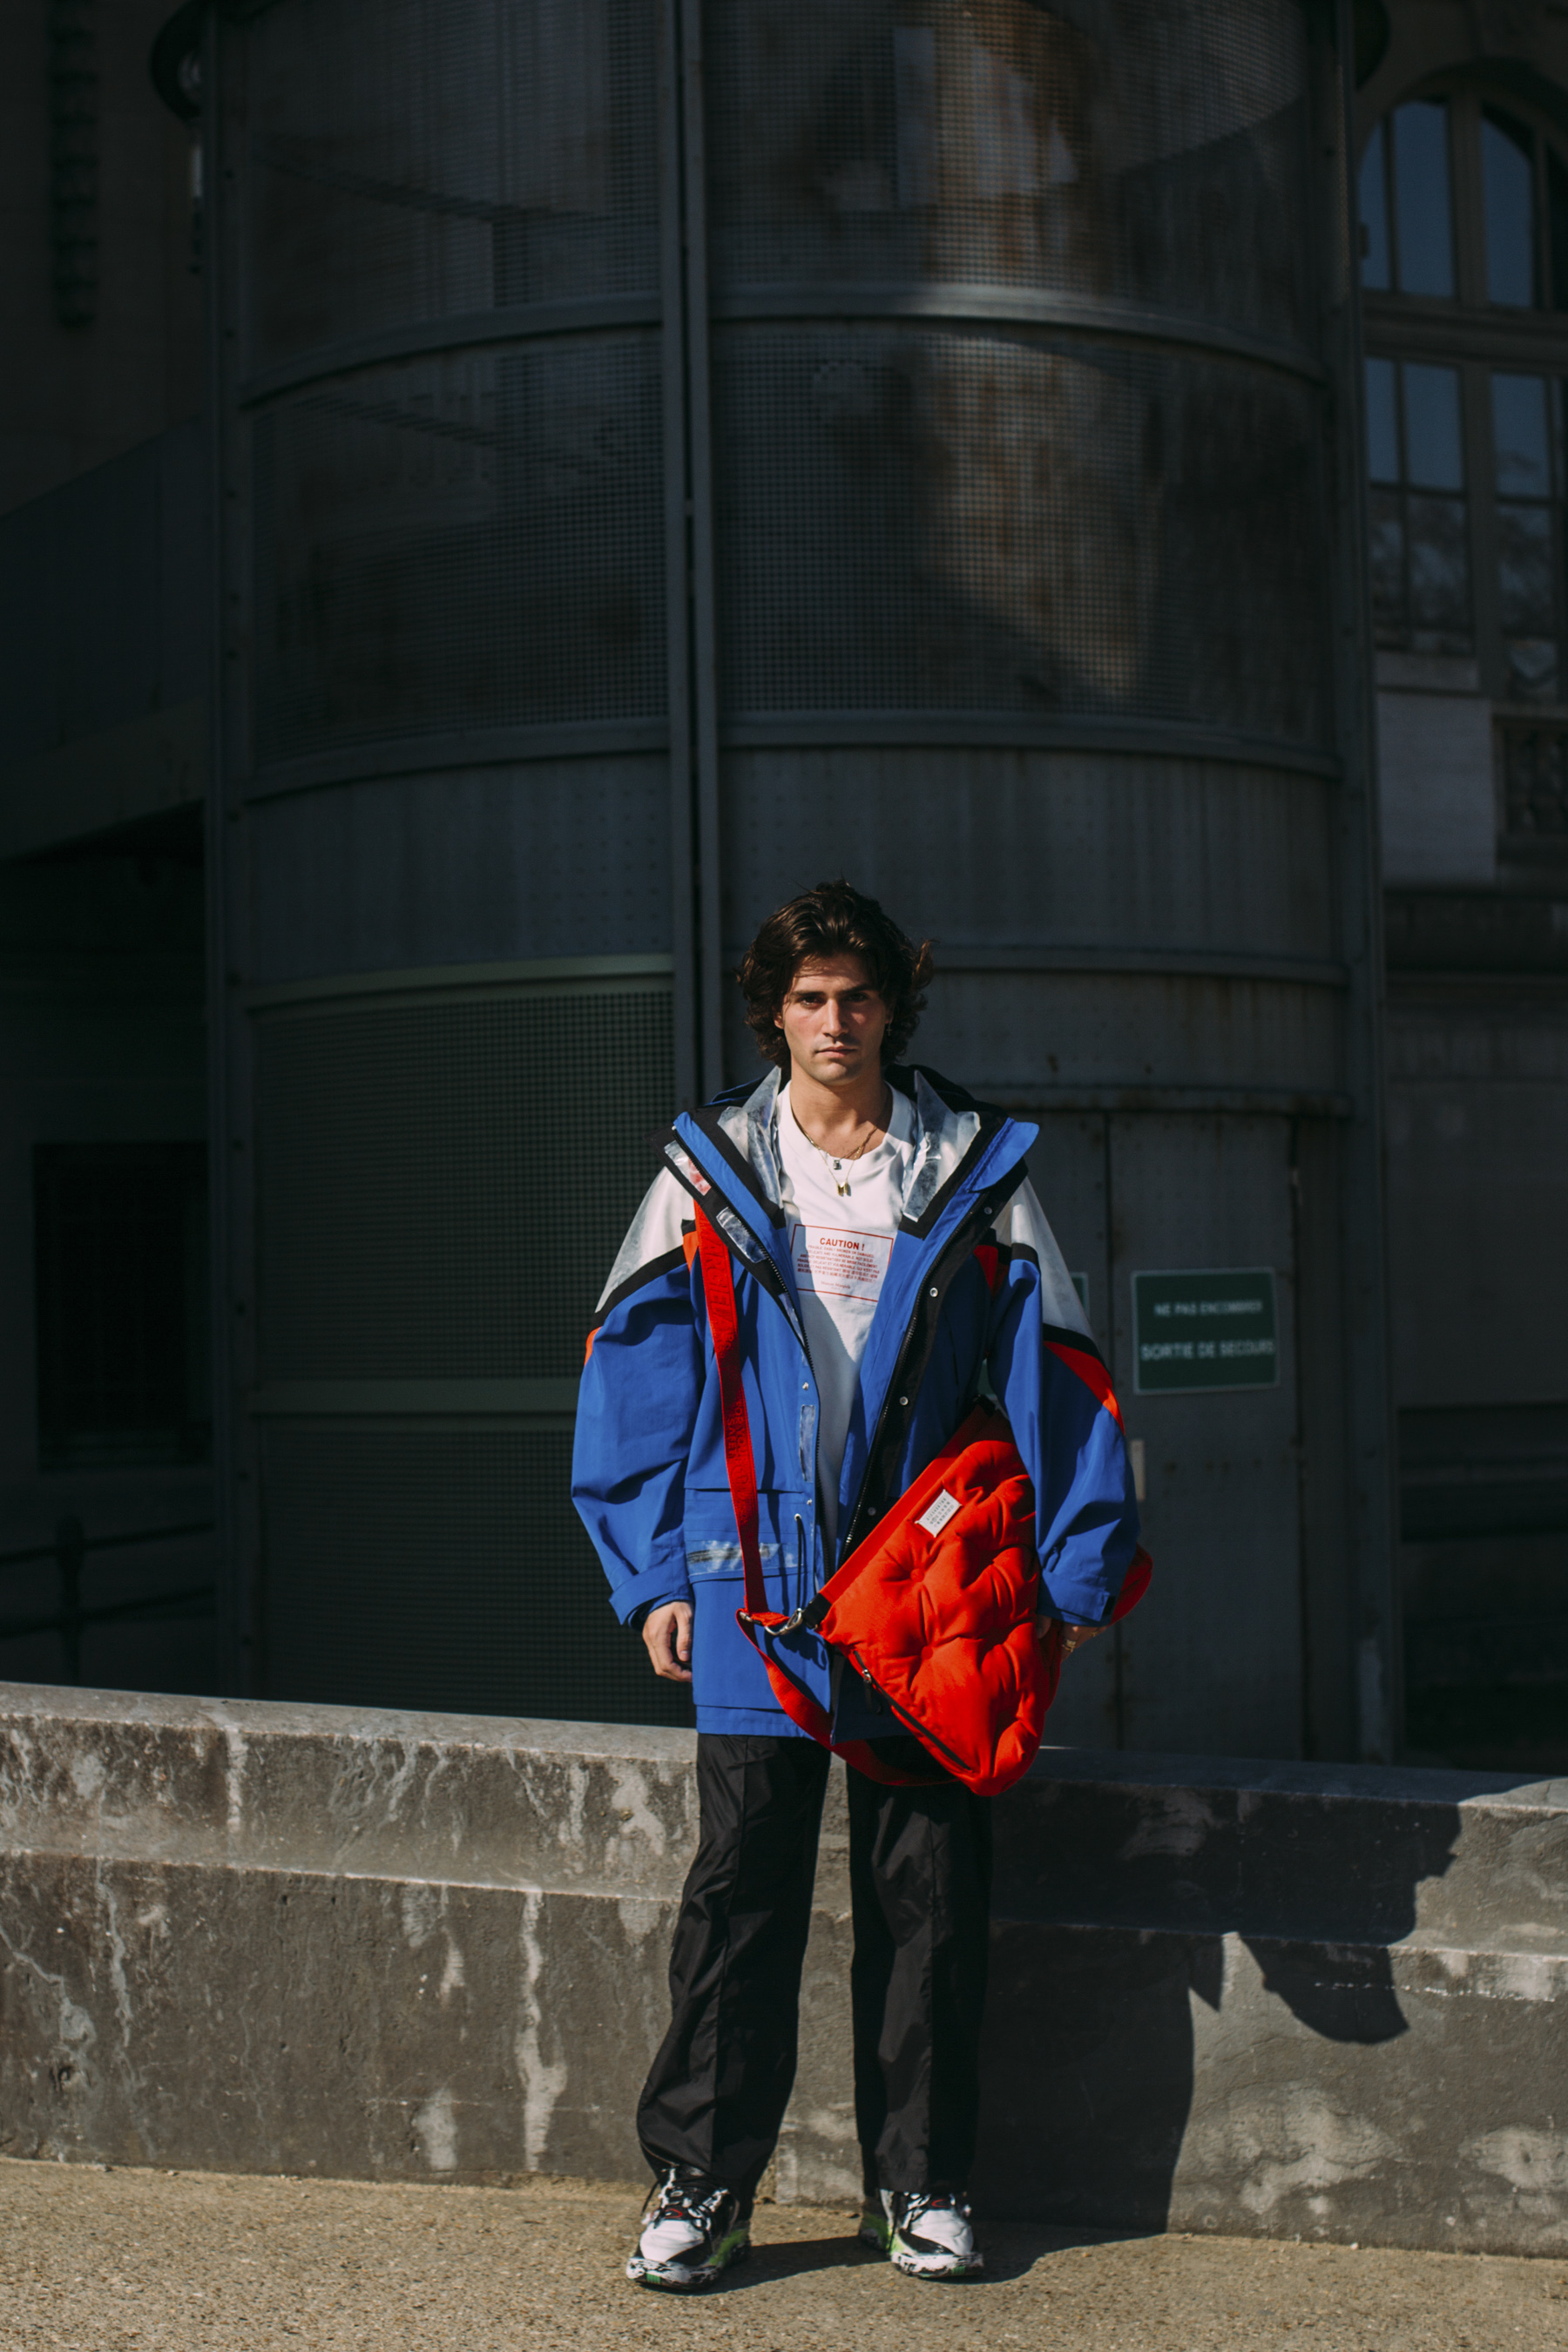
837 1263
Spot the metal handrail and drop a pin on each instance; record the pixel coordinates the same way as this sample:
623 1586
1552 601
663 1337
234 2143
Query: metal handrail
101 1543
69 1550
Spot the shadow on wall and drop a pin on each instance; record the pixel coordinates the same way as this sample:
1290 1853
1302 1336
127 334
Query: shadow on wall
1202 1946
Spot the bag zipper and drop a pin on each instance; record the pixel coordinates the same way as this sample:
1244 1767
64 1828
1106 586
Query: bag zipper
927 1739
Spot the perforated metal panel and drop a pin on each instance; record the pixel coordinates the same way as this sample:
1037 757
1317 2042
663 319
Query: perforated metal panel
442 1186
1145 149
975 403
461 542
422 159
1008 524
442 1569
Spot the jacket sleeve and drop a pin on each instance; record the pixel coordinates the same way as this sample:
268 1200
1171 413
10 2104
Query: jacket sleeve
1056 1391
637 1409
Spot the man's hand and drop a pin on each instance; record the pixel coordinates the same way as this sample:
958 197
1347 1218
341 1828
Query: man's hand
668 1633
1073 1636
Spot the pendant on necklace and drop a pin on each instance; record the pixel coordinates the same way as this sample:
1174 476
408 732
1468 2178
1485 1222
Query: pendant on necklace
840 1181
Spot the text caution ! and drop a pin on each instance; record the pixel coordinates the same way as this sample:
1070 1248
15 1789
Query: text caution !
1208 1331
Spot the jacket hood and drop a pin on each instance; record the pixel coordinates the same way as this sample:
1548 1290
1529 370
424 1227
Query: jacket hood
948 1124
724 1155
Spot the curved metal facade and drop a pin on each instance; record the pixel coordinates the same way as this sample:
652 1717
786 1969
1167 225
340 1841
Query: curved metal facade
671 455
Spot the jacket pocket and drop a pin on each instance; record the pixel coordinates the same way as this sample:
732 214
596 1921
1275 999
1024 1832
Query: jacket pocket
726 1670
713 1543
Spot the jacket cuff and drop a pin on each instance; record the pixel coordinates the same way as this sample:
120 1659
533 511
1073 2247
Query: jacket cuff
1074 1602
650 1588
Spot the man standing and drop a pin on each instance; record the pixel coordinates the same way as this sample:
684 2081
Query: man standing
888 1252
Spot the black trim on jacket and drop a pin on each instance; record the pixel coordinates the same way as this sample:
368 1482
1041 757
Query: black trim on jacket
992 1120
649 1271
1057 1337
708 1120
876 1496
762 1269
1055 1334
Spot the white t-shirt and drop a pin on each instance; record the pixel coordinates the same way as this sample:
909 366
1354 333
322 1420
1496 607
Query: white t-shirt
839 1247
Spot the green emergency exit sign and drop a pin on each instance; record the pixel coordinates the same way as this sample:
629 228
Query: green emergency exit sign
1214 1330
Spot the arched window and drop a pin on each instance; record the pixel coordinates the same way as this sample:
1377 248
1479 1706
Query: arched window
1464 209
1503 173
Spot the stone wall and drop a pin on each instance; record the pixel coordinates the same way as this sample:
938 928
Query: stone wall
1291 2001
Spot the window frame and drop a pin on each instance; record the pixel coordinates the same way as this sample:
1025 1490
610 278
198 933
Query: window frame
1468 332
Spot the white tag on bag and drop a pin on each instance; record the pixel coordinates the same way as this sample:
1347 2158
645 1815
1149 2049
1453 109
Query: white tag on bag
936 1515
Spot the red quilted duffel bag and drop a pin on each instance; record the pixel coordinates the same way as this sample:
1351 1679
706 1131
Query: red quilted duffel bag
936 1609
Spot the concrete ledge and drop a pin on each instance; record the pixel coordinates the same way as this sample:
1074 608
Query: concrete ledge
1280 2000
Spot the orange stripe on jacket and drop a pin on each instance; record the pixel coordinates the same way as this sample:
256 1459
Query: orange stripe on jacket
993 1261
1094 1375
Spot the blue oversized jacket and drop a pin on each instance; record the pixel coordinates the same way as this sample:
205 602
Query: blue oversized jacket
975 1285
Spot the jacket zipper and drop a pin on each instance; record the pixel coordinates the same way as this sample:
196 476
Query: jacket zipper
766 1275
955 1254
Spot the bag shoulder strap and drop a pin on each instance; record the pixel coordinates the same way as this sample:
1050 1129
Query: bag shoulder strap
739 1463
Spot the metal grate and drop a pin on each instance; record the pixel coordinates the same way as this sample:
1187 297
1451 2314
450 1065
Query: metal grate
1147 149
442 1569
415 161
462 542
442 1186
1535 782
919 520
74 141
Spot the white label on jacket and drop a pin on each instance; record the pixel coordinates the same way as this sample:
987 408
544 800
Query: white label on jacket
838 1263
935 1516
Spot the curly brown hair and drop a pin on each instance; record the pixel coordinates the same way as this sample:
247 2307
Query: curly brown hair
833 921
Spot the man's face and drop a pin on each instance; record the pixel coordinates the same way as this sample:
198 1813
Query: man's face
834 1020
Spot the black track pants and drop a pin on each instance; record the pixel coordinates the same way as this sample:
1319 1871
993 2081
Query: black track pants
920 1869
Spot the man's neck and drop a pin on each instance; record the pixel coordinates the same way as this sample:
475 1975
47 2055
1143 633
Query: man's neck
839 1115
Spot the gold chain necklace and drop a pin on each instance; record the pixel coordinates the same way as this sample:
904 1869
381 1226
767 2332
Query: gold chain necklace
841 1181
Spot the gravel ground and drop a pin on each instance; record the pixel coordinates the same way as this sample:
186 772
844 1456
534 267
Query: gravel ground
138 2261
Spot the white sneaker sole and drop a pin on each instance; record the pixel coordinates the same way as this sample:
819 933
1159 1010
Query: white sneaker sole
935 2266
878 2233
683 2278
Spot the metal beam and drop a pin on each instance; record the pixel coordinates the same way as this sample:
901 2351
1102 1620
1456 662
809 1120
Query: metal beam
1015 306
704 658
509 323
1372 1502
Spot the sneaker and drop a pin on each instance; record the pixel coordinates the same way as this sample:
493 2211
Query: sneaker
691 2230
926 2232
